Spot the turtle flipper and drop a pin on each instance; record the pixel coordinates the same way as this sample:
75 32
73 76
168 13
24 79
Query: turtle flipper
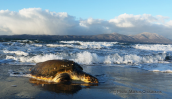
63 77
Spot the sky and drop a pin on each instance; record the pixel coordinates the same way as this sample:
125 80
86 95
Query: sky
85 17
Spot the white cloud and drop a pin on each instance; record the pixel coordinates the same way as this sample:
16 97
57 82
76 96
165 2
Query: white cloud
38 21
129 20
35 21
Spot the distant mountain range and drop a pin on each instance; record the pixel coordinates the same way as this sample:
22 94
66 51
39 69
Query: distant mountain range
139 38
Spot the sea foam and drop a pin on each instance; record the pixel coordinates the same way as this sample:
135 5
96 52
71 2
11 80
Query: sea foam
88 58
16 52
154 47
157 67
30 52
89 45
34 59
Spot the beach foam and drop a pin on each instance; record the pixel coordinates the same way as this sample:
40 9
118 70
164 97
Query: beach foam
157 67
18 73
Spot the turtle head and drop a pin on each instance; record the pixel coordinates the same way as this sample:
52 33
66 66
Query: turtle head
89 79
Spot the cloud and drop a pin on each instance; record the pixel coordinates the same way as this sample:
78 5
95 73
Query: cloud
35 21
134 24
38 21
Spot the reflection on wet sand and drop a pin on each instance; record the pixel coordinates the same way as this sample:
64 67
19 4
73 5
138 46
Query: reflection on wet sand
63 87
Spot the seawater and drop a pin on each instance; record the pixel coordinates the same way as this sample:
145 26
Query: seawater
150 57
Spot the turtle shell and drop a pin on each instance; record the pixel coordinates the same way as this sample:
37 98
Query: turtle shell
51 67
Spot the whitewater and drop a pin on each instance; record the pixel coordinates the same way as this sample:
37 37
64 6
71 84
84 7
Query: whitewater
151 57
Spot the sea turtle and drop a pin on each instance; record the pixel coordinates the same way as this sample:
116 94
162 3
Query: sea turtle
61 70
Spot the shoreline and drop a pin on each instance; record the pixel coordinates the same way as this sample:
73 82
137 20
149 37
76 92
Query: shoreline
116 82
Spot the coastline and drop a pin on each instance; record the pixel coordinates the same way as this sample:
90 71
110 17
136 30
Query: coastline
115 82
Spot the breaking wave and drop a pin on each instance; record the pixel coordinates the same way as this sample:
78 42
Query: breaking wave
92 58
152 57
89 45
15 52
155 47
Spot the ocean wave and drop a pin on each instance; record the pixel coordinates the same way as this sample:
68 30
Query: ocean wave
26 41
34 59
30 52
15 52
88 58
89 45
154 47
157 67
37 45
70 42
59 45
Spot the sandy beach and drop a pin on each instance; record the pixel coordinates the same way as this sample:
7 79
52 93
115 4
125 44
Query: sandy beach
115 82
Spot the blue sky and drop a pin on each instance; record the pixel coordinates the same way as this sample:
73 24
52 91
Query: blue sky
97 9
85 17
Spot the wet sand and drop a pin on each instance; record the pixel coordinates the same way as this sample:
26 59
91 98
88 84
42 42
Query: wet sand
116 82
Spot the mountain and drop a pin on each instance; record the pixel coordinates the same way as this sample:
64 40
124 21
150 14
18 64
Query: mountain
114 37
147 37
144 37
